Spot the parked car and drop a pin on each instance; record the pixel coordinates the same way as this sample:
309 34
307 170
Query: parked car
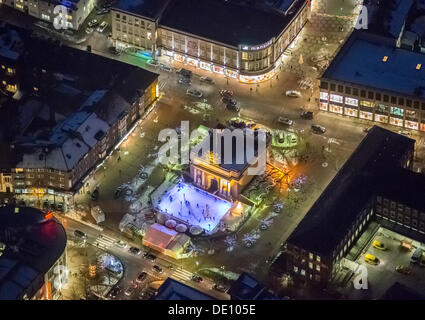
121 244
149 256
184 81
114 51
286 121
379 245
233 107
318 129
95 195
307 115
207 80
194 93
134 250
229 100
371 259
417 255
227 93
164 67
103 11
89 30
117 193
185 73
157 268
197 278
142 276
102 27
130 290
293 93
115 291
153 63
80 234
403 269
93 23
219 287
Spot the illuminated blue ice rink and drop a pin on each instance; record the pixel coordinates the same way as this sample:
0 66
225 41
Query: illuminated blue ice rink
194 206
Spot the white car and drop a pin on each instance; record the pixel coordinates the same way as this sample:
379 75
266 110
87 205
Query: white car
89 30
194 93
286 121
293 93
121 244
102 27
153 63
163 67
207 80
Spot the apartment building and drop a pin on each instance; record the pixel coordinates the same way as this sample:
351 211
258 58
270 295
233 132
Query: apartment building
376 183
373 80
235 40
68 118
77 10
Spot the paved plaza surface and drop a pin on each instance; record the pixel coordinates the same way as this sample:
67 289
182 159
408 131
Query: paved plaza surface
318 159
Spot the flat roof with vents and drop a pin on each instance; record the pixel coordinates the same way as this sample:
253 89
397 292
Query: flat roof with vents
371 61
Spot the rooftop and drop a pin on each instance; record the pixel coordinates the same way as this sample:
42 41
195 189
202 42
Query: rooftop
231 23
33 244
351 189
361 62
175 290
146 8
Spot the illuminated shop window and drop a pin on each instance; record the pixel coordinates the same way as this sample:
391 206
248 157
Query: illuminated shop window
295 269
365 103
324 95
336 98
352 102
397 111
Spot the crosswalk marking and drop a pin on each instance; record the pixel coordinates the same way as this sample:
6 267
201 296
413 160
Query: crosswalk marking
181 274
104 242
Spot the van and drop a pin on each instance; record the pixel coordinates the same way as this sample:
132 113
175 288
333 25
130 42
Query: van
416 256
369 258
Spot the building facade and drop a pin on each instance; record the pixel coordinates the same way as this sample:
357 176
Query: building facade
239 56
77 10
353 85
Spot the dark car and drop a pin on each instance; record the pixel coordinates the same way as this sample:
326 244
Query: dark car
219 287
134 250
114 51
115 291
232 107
197 278
157 268
229 100
184 81
117 193
318 129
226 93
142 276
95 195
149 256
185 73
80 234
307 115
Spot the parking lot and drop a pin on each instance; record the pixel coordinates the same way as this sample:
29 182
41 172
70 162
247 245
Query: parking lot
383 275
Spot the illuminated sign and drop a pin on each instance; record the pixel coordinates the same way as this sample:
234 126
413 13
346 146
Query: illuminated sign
257 47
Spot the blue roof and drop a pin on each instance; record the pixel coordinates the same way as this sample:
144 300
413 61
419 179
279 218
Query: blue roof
360 62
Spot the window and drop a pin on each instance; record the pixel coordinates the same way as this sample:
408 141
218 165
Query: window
355 92
401 101
370 95
310 265
318 258
318 268
347 90
386 98
340 89
378 96
295 269
324 96
302 272
351 102
393 100
363 93
323 84
336 98
310 256
332 87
